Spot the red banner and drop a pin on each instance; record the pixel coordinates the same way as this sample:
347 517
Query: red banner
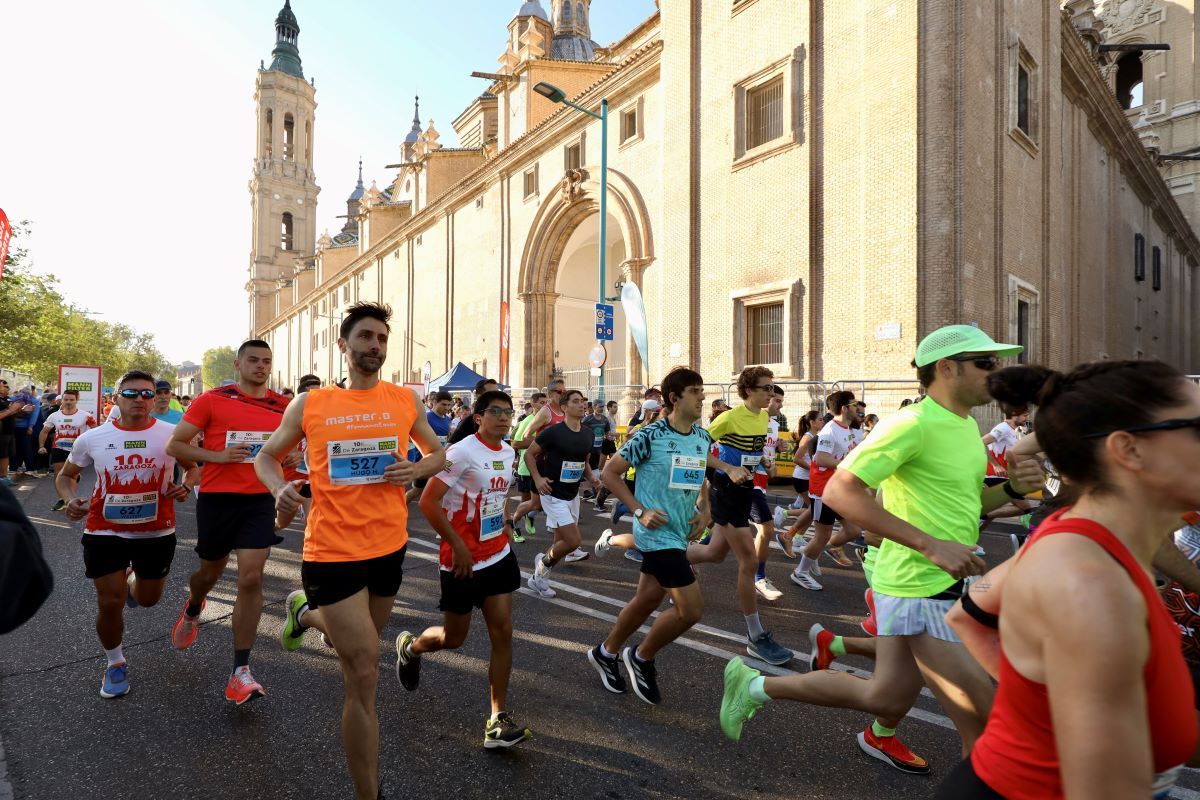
504 342
5 237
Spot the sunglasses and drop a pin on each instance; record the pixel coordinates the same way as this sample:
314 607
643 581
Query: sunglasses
1165 425
129 394
766 387
985 363
497 411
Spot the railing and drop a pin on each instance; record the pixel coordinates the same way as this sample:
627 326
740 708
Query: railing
1194 379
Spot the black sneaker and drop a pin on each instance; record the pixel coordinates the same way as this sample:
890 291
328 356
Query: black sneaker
645 685
408 668
60 505
609 669
504 732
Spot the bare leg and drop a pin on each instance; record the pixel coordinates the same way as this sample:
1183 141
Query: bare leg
247 608
110 603
674 622
961 686
497 612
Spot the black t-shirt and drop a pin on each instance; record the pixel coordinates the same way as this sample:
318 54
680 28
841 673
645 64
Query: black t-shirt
600 427
8 425
566 452
464 429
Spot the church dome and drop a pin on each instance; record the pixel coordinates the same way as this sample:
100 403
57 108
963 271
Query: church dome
533 8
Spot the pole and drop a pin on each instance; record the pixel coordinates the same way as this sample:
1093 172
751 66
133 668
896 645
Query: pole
603 217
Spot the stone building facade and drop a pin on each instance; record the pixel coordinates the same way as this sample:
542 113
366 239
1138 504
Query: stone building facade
808 185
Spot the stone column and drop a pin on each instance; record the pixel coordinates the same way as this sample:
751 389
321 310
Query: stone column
539 336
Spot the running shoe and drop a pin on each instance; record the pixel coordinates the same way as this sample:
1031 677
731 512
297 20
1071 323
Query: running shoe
737 705
979 551
539 565
890 750
780 517
517 536
540 583
634 555
578 554
821 656
504 732
609 669
587 494
806 580
814 568
643 673
60 505
408 667
839 557
130 602
785 544
292 635
604 543
6 482
530 528
616 514
116 681
869 626
183 635
242 688
765 648
766 590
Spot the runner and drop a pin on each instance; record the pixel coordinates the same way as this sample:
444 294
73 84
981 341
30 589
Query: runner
438 416
565 446
760 511
801 508
839 436
598 423
283 520
67 424
1126 435
550 413
930 462
467 424
129 536
524 482
356 537
1002 437
671 455
465 505
234 511
741 434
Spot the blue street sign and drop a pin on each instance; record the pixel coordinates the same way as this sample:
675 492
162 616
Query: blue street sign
604 322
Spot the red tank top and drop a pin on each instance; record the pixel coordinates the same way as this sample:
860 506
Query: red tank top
1017 756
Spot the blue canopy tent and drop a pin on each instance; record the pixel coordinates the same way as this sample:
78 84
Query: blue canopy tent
460 378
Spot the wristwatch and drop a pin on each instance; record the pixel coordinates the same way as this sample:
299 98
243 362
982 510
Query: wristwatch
1011 492
638 514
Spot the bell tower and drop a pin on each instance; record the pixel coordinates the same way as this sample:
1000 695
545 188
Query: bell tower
283 189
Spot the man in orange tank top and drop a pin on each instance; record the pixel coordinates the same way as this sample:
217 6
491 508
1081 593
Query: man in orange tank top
356 536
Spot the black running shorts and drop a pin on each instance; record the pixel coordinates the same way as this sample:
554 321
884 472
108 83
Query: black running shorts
730 502
801 487
608 447
823 514
760 512
460 595
329 582
228 521
963 784
150 556
58 456
669 567
525 483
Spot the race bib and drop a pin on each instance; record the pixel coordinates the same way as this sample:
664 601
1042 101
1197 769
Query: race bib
1164 782
358 461
491 516
687 472
64 444
751 461
572 471
131 509
256 440
598 440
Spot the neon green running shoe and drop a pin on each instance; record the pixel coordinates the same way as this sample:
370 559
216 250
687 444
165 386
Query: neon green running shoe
530 528
737 705
292 635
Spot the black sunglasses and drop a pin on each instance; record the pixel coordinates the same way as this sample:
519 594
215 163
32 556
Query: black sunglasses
129 394
766 387
1165 425
985 363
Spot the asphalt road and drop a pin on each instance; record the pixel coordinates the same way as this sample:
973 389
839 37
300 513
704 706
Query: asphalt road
175 736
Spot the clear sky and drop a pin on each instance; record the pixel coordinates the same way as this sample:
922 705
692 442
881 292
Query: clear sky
128 133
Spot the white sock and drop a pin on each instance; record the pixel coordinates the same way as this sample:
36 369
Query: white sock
114 656
605 653
806 564
754 625
495 716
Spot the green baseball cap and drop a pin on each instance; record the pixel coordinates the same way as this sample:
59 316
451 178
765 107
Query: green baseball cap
953 340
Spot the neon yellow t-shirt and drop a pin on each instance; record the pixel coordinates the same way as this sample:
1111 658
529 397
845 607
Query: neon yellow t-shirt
930 464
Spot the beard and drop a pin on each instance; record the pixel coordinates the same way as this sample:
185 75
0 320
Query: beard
365 362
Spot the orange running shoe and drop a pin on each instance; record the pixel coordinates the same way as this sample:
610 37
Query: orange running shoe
242 688
183 635
868 625
821 656
890 750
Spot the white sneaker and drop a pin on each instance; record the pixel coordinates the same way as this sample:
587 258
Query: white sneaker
604 543
541 586
766 589
578 554
805 580
979 551
780 517
539 566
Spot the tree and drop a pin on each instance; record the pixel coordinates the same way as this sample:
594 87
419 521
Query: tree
217 366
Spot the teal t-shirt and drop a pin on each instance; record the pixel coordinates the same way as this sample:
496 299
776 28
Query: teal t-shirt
173 416
670 474
930 464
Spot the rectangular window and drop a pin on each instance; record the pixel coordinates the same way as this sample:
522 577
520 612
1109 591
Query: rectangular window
1156 269
629 124
346 293
574 156
1139 257
333 300
764 334
764 113
1023 331
1023 100
531 182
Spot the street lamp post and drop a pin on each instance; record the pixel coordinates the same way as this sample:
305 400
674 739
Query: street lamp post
557 95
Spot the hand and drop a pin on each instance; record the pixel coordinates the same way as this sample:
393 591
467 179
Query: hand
191 478
292 459
400 472
738 474
596 484
41 451
542 485
1027 477
77 508
768 464
696 526
234 454
288 498
177 492
462 559
653 518
957 559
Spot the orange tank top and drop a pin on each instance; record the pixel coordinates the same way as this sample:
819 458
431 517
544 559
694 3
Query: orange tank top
352 435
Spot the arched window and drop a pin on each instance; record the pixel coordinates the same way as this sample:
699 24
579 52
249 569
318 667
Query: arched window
285 232
269 141
579 15
566 11
289 137
1129 80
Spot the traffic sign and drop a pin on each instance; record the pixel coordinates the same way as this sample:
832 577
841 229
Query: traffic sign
604 322
598 355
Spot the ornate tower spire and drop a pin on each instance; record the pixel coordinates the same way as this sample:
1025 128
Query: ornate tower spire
354 203
572 31
410 141
286 55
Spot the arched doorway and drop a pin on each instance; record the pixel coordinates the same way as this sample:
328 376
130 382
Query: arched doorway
578 291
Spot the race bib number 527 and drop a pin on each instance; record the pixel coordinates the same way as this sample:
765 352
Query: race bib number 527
358 461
